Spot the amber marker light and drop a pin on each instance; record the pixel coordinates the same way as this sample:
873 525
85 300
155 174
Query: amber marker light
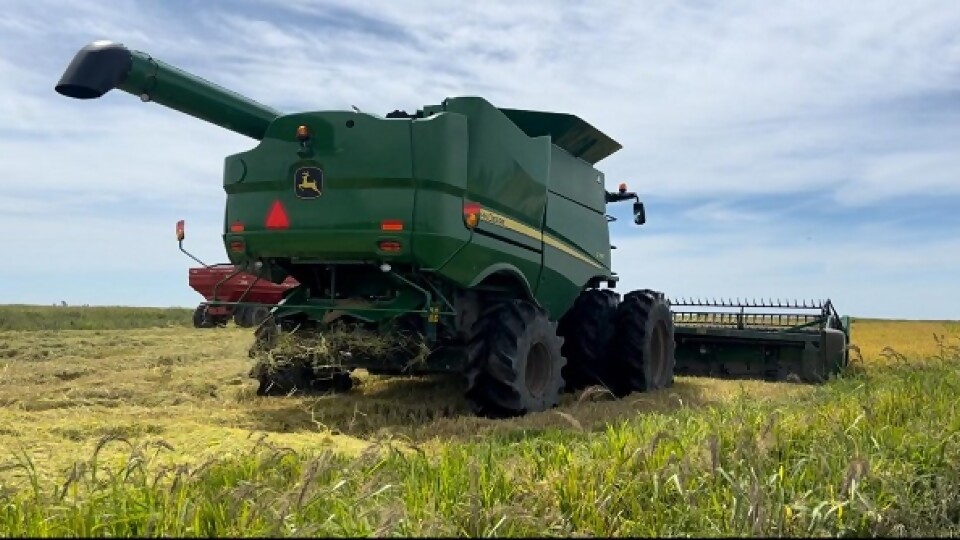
391 225
303 133
623 187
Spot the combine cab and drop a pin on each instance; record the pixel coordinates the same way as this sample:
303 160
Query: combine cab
461 238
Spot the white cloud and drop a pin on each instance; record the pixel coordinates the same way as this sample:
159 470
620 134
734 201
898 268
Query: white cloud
851 104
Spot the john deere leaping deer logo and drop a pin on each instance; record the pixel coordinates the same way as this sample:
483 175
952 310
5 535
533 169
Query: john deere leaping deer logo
308 182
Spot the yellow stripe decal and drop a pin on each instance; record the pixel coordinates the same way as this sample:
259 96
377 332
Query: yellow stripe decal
510 224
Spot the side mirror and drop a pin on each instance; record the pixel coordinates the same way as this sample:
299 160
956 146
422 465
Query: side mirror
180 231
639 214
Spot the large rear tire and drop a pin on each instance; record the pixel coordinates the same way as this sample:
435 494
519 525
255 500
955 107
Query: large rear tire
587 329
644 344
514 361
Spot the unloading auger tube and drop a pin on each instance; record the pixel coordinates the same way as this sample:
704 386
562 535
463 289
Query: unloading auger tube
104 65
775 340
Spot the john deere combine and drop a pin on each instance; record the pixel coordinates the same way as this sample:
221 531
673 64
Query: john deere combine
460 238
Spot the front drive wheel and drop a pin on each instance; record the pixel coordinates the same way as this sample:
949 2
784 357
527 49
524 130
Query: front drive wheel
643 343
514 361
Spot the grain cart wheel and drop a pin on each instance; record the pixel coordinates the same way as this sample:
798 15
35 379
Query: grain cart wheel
644 345
257 314
514 361
587 329
200 317
241 317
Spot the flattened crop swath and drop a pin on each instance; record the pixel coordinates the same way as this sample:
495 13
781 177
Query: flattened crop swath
461 238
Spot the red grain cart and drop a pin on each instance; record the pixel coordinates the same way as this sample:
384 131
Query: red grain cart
204 280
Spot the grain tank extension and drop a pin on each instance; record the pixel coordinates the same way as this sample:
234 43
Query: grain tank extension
461 238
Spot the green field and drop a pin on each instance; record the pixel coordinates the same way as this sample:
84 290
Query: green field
142 425
20 317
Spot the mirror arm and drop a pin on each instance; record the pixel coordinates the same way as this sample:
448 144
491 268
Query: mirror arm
621 196
180 237
180 243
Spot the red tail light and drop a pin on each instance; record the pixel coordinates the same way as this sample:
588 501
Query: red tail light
471 214
236 246
277 217
389 245
236 227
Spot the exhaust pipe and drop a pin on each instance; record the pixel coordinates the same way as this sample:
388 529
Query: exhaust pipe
104 65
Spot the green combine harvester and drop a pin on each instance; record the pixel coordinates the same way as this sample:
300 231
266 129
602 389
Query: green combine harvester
462 238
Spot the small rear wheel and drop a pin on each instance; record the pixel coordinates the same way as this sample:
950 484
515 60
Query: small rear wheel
200 317
644 345
514 361
241 317
257 314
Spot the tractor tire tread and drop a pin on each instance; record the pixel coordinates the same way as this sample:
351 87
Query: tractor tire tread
587 329
494 382
636 317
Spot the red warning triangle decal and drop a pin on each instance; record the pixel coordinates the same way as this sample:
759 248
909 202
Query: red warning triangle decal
277 217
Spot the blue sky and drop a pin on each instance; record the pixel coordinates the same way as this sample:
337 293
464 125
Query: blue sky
783 149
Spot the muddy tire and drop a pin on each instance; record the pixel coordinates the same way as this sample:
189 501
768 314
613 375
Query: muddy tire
587 330
644 345
514 361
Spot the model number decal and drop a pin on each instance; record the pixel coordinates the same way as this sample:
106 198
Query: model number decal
490 217
494 218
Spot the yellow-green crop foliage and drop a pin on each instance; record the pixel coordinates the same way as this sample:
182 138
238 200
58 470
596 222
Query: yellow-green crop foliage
149 431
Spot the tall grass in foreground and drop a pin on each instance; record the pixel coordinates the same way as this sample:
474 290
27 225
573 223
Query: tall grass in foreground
23 317
874 453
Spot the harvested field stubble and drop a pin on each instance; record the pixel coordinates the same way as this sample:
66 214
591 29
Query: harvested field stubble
158 431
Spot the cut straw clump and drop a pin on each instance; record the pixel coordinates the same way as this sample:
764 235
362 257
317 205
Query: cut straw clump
340 347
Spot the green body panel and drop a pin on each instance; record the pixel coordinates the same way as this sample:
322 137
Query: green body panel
421 172
440 157
367 178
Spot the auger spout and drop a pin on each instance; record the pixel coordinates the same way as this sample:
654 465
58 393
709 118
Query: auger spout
104 65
